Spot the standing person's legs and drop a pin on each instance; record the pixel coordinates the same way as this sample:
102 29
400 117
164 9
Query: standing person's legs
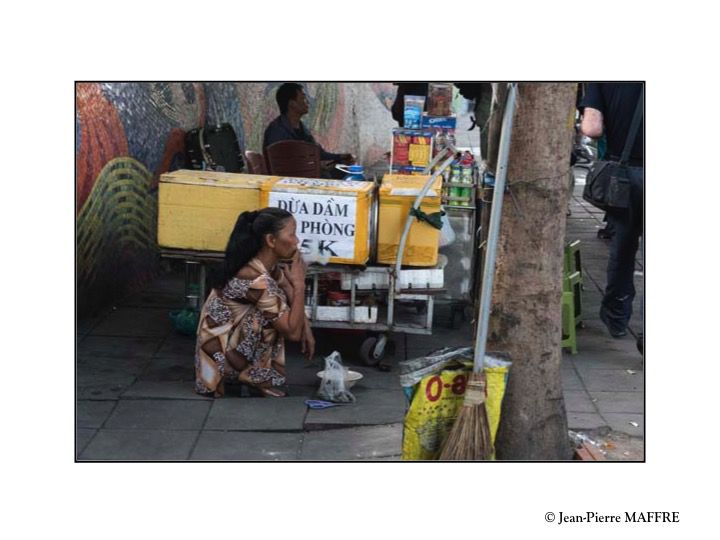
616 306
638 185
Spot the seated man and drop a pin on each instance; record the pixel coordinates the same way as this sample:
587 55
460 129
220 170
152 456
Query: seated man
293 104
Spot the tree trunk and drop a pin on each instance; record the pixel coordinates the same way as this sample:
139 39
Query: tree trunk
526 310
495 124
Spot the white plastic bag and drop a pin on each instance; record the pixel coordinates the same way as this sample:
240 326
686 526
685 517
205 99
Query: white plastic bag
332 386
447 234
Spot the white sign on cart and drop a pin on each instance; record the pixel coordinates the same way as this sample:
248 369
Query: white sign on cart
327 222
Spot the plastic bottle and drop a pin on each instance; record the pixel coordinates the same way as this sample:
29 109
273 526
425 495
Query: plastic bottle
450 138
466 178
455 178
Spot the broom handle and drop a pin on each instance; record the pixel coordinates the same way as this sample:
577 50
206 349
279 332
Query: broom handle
494 230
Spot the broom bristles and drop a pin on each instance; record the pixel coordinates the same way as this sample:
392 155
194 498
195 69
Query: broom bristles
469 439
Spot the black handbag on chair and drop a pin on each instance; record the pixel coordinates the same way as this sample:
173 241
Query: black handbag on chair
607 185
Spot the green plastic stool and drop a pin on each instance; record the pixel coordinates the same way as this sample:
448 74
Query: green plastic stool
571 310
569 338
572 283
573 260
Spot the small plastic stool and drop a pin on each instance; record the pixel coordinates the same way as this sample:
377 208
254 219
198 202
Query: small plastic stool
571 310
573 260
572 283
569 338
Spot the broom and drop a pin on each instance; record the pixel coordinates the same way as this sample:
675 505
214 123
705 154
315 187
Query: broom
469 438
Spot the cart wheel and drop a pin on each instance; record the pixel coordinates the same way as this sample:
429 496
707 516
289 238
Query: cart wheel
367 352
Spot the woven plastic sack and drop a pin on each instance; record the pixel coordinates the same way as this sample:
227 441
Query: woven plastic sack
496 375
439 395
332 386
433 410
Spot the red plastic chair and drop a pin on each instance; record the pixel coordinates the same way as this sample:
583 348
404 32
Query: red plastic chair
293 158
255 162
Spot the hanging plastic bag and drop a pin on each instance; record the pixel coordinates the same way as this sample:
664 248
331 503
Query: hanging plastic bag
332 386
447 234
185 321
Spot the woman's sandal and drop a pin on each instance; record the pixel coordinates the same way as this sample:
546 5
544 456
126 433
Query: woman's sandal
260 390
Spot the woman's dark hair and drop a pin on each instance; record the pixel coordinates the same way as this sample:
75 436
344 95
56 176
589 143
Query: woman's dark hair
285 93
247 237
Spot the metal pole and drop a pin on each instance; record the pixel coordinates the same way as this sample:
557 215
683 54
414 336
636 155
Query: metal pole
494 230
416 205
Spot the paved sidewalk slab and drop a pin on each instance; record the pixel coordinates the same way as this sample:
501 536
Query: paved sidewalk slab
247 445
618 402
577 401
172 368
367 442
373 407
622 422
303 391
612 380
257 414
178 345
183 390
585 360
374 379
84 326
594 338
90 368
136 322
570 379
92 414
102 386
82 438
141 445
118 346
579 421
298 374
158 414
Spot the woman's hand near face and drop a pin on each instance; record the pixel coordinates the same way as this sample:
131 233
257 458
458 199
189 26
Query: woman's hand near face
296 274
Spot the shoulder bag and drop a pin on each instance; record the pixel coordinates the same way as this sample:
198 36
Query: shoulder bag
607 185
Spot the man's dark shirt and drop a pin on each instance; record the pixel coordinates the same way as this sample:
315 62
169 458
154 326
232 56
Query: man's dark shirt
617 102
281 130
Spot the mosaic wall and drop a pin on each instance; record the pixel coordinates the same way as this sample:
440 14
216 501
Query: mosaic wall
128 134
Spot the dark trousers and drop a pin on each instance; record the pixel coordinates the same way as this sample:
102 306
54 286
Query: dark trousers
628 225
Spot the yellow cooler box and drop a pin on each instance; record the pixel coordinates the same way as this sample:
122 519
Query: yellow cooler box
333 216
397 195
197 210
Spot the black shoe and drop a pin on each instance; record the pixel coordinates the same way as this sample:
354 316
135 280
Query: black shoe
615 330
